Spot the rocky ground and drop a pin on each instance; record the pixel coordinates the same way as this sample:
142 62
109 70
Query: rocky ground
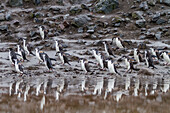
82 25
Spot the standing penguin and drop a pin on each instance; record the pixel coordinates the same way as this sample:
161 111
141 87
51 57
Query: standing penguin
137 55
39 55
112 67
47 62
19 67
12 56
84 65
21 52
63 58
57 46
129 65
42 32
27 48
119 43
108 49
102 62
166 57
149 60
96 54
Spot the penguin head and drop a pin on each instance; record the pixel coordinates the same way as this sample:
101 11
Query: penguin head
95 51
57 42
10 49
37 49
81 60
42 27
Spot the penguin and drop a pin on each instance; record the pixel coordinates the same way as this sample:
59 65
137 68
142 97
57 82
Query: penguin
149 60
166 57
39 55
63 58
102 62
119 43
129 65
84 65
96 54
19 67
12 56
108 49
112 67
57 46
21 52
27 48
42 32
137 55
47 62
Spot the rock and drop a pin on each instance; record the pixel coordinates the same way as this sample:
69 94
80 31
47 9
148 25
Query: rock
55 9
144 6
93 36
116 21
160 21
81 20
158 35
36 2
140 23
146 71
91 29
80 30
60 2
3 27
151 2
167 2
106 6
15 2
75 10
8 16
32 33
150 34
38 14
2 17
137 15
84 6
45 1
142 37
155 17
61 26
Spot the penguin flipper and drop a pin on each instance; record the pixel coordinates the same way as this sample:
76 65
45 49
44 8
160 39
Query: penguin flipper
17 54
53 59
32 53
87 67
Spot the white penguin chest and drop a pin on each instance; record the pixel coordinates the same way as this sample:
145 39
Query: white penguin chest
61 58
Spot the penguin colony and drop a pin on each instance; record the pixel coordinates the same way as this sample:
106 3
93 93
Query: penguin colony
109 63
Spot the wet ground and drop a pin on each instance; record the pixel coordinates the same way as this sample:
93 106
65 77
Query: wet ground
68 88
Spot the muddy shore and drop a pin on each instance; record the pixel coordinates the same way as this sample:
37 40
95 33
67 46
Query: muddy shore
80 28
